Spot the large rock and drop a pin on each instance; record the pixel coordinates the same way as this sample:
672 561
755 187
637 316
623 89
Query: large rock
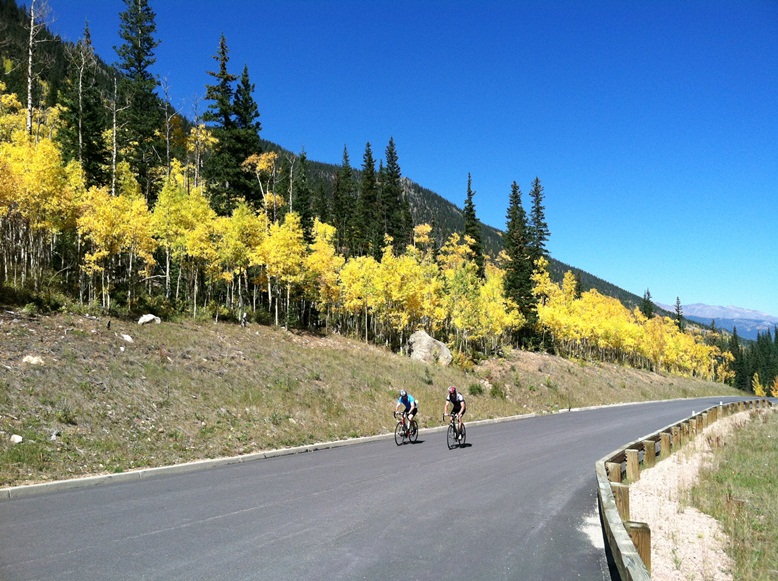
425 348
149 319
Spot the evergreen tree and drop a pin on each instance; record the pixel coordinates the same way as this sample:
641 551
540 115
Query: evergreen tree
578 285
473 228
245 137
221 169
518 282
539 233
397 221
646 305
141 121
368 235
84 116
303 197
321 205
343 201
679 320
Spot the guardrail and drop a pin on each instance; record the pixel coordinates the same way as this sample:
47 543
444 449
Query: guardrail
628 543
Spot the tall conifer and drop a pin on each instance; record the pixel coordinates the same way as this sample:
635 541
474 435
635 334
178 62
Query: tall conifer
245 137
473 228
221 168
397 221
368 232
84 116
141 121
538 229
343 203
518 282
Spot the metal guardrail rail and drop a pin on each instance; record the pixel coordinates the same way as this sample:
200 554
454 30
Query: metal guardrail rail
628 543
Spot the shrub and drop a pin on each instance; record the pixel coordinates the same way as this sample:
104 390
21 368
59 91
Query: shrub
475 389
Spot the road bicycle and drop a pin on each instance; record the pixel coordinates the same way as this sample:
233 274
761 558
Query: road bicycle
405 429
454 437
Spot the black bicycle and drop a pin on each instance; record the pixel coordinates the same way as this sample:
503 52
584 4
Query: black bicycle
454 436
405 429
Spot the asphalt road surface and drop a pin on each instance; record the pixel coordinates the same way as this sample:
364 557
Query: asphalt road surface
517 502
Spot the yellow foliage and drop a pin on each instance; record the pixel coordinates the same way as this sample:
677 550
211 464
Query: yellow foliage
756 385
598 326
323 265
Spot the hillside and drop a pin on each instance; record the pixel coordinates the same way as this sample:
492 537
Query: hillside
91 397
426 205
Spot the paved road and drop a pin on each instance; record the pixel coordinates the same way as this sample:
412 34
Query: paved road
512 504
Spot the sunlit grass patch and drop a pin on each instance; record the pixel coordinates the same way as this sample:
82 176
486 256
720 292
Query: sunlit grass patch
740 490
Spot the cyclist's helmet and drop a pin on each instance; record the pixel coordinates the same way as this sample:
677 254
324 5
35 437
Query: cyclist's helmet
452 389
403 393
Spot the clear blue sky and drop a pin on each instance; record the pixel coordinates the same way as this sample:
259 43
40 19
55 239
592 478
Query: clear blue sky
653 126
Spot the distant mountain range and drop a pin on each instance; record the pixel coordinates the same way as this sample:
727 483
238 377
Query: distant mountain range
748 322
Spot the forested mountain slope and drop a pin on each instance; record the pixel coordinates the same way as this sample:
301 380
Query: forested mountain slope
426 205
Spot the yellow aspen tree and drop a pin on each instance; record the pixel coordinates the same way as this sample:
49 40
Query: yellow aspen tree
199 142
170 218
357 289
136 239
756 385
323 265
460 273
264 168
285 251
200 241
239 235
497 314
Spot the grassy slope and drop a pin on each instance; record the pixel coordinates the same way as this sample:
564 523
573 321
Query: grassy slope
186 391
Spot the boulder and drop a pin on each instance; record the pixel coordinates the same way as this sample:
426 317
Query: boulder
149 319
425 348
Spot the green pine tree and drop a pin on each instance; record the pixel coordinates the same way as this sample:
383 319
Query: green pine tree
368 234
141 121
84 116
679 320
646 305
538 229
343 202
397 221
221 169
473 228
245 138
303 197
518 282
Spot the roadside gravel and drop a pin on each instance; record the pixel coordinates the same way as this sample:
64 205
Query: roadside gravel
686 545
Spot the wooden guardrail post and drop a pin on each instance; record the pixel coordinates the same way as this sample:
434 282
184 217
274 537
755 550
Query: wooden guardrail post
633 465
640 534
614 471
649 453
621 496
676 438
665 447
705 420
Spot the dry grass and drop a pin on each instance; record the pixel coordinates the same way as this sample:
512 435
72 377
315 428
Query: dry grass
183 391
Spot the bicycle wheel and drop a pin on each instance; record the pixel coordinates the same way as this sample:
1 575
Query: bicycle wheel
464 436
399 433
451 437
414 432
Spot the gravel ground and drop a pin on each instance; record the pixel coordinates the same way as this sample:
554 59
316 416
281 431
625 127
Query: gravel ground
686 545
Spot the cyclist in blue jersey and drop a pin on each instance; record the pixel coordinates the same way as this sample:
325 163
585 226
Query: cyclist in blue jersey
411 407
